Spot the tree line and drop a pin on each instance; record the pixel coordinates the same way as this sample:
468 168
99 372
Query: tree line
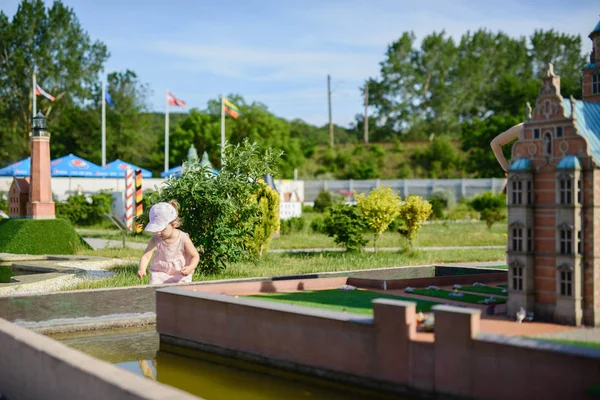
468 90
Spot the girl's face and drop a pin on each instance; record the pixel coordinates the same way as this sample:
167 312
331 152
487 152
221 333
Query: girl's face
167 232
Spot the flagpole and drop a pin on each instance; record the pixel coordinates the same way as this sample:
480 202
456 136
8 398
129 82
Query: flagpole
167 132
103 123
34 96
222 129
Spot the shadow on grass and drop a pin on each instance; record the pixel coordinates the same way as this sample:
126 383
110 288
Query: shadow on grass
353 301
350 254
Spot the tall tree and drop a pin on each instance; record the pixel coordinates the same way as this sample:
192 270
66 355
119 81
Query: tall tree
51 43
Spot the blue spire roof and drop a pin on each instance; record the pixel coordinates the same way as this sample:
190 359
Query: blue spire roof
587 116
597 28
569 162
520 164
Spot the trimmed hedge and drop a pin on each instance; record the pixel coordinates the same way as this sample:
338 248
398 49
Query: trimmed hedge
45 236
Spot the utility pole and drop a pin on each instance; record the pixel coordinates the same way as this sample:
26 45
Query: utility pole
330 121
366 114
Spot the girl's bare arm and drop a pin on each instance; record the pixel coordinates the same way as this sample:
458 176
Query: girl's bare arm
146 257
195 257
501 140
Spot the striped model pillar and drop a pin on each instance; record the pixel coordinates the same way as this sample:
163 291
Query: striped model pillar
129 198
139 198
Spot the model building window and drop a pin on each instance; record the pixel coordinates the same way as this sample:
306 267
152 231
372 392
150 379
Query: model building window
565 191
547 144
579 243
529 239
596 83
580 191
529 192
517 192
517 239
536 133
566 241
517 278
559 131
566 283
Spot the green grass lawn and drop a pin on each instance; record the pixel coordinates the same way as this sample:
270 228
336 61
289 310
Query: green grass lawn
352 301
278 264
485 289
445 294
503 285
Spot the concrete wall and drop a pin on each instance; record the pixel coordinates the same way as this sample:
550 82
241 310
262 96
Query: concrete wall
35 367
382 351
422 282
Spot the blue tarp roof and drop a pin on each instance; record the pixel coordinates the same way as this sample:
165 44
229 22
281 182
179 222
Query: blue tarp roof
72 165
19 168
587 116
569 162
117 168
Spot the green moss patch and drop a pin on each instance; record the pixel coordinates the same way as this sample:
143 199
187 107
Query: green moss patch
47 236
352 301
485 289
465 298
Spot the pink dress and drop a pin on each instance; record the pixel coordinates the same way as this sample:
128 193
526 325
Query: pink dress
168 261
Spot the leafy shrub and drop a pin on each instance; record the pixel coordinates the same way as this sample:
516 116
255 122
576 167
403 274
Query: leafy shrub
492 207
5 273
220 213
317 225
4 202
268 221
307 208
323 201
345 224
441 200
379 209
461 211
294 224
82 211
413 213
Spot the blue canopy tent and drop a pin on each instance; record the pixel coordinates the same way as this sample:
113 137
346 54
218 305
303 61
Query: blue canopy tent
72 165
20 168
177 171
117 168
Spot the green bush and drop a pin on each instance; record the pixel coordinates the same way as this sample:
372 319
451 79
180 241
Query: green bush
46 236
294 224
4 202
5 273
220 212
492 207
317 225
346 225
441 200
268 222
307 209
323 201
82 212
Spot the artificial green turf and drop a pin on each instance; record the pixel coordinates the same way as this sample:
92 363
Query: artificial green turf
352 301
5 273
445 294
485 289
45 236
592 345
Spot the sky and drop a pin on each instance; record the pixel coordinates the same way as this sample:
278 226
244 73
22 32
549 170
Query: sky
280 52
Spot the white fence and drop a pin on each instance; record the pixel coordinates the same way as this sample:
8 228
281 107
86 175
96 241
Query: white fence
421 187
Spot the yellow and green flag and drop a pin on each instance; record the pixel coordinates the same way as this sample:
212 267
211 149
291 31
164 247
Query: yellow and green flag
231 109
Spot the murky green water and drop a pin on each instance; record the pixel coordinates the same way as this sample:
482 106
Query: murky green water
207 376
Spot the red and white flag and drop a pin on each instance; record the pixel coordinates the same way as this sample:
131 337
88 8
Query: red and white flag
174 101
41 92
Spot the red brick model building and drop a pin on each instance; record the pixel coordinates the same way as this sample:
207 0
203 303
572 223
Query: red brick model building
40 204
18 196
554 203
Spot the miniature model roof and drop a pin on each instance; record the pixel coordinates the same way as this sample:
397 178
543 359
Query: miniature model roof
569 162
587 116
520 164
597 28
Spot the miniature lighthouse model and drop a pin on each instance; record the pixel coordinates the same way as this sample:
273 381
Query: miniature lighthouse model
40 205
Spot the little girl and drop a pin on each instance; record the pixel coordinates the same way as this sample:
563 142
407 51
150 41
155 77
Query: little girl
176 257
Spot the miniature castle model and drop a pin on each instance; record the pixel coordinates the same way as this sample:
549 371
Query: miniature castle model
553 200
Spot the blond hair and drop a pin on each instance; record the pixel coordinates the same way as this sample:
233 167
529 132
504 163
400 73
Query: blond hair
177 221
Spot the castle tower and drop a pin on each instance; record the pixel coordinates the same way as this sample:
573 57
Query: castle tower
591 72
40 205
